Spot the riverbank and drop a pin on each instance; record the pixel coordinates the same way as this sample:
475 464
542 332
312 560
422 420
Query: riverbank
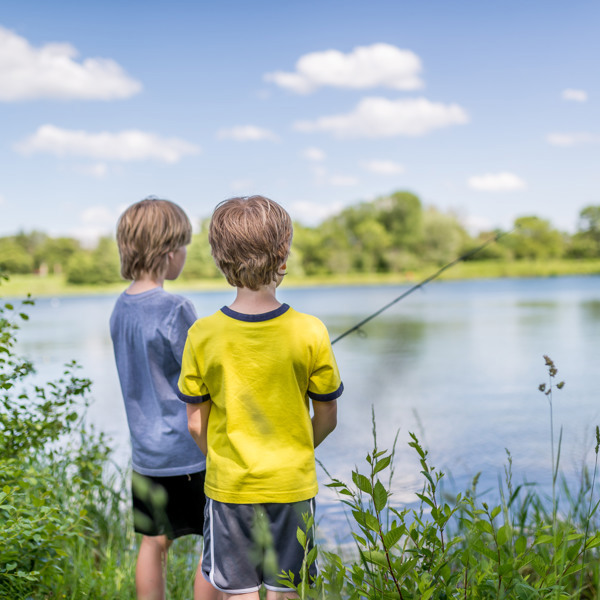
55 285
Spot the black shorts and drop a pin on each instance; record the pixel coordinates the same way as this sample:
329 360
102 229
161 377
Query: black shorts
171 506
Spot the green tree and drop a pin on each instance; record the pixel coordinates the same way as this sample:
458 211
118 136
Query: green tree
55 253
586 242
94 267
535 239
402 216
13 257
373 243
497 251
199 263
307 248
107 264
444 238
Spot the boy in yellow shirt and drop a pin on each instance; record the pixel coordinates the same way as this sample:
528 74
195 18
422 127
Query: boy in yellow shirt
248 372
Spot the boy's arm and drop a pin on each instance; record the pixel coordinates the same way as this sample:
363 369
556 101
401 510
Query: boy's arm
324 419
198 423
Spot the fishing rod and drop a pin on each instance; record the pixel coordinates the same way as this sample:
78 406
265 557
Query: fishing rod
422 283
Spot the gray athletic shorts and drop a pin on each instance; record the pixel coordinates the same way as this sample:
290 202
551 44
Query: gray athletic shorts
248 545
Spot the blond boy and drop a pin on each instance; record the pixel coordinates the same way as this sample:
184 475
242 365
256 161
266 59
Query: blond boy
148 327
248 372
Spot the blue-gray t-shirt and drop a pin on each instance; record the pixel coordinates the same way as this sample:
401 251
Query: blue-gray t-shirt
148 331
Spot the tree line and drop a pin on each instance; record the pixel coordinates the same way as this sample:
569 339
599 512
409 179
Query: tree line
391 234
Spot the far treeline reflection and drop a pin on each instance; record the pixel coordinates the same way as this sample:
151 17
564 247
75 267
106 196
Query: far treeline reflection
391 234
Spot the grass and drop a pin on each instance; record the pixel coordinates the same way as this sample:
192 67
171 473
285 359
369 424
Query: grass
55 285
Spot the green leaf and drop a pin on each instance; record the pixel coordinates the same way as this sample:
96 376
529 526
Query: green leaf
376 557
362 483
382 464
427 593
393 536
371 522
544 539
484 526
502 535
521 544
380 496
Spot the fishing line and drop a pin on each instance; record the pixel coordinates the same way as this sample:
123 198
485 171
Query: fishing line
421 284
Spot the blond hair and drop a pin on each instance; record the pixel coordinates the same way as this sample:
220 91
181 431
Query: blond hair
250 240
146 232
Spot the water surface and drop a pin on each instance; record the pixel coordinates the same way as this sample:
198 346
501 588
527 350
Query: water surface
457 363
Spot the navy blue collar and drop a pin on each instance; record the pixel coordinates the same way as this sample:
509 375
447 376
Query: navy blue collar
255 318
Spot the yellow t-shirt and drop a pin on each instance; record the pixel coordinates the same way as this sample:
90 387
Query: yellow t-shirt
259 372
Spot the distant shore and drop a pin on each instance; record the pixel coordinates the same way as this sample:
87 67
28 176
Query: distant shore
55 285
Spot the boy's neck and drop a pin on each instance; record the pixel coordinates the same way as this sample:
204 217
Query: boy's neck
251 302
144 283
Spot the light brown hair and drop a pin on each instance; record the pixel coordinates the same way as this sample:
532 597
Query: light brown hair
146 232
250 239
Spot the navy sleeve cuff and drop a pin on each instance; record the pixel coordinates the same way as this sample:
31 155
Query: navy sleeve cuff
327 397
192 399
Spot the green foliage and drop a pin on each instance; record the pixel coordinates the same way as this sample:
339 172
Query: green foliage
457 547
390 234
535 239
443 237
199 263
55 253
98 266
65 529
586 242
50 469
13 257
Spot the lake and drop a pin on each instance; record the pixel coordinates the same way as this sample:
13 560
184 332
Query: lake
457 363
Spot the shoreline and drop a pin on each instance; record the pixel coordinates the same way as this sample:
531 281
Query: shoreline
19 286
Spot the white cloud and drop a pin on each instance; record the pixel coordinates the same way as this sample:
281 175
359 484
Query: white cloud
314 154
572 139
324 177
96 222
122 146
383 167
380 117
247 133
51 71
342 180
575 95
379 65
96 170
312 213
496 182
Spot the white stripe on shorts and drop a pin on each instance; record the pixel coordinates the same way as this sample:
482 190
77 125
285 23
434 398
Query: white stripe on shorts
212 558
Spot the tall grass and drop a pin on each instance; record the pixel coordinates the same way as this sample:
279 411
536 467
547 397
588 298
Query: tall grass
525 546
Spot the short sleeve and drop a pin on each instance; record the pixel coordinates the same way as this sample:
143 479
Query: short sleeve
183 316
191 387
325 383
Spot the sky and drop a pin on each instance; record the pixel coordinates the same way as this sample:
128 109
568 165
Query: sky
487 109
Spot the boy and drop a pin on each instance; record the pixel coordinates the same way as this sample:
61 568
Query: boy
247 374
148 327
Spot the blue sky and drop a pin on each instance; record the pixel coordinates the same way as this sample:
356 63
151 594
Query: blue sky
486 109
